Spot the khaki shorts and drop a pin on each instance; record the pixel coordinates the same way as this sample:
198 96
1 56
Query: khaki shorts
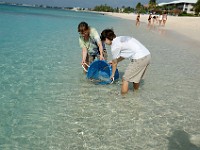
136 69
91 58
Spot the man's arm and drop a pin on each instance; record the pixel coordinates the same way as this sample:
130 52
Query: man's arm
119 59
114 65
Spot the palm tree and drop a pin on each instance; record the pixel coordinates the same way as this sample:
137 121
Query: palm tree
138 7
152 4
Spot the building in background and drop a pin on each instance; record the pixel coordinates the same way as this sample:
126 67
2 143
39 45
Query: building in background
182 5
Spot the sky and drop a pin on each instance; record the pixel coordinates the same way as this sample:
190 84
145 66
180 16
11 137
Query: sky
85 3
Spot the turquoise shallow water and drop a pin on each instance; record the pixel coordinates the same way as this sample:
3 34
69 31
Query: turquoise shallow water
46 102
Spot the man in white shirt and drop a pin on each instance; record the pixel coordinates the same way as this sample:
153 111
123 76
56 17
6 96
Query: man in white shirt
127 47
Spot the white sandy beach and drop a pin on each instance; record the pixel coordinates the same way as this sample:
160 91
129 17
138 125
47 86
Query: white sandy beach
188 26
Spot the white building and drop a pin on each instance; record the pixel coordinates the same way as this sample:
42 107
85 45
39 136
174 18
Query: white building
183 5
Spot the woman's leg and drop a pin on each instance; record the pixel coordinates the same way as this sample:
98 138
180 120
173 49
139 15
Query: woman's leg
91 58
124 87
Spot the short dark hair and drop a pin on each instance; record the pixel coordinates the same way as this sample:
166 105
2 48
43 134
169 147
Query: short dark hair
83 26
107 33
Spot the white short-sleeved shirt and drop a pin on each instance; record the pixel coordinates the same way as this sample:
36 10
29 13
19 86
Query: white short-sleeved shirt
128 47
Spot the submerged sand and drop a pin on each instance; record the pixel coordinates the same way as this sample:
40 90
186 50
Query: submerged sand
164 113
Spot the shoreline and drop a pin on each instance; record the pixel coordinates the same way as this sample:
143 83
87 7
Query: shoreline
187 26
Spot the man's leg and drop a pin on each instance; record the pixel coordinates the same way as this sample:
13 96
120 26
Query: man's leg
124 87
136 86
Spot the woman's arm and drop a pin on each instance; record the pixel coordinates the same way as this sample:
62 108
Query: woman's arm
100 50
84 55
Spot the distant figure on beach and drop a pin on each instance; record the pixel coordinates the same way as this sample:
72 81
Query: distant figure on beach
138 20
154 20
127 47
90 42
160 19
149 19
164 17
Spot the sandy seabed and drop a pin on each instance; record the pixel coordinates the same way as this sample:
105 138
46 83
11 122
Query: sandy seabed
164 113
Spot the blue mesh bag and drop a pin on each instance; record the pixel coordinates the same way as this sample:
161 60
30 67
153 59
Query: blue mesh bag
100 71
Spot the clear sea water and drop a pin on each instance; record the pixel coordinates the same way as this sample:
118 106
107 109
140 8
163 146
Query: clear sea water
46 103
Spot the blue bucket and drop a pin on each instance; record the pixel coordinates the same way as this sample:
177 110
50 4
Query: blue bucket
100 71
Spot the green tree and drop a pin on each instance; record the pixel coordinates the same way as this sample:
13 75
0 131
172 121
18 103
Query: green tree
128 9
104 8
138 7
152 4
197 7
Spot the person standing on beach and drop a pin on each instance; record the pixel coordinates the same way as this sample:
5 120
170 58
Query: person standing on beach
138 20
127 47
160 19
154 20
90 42
164 17
149 19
